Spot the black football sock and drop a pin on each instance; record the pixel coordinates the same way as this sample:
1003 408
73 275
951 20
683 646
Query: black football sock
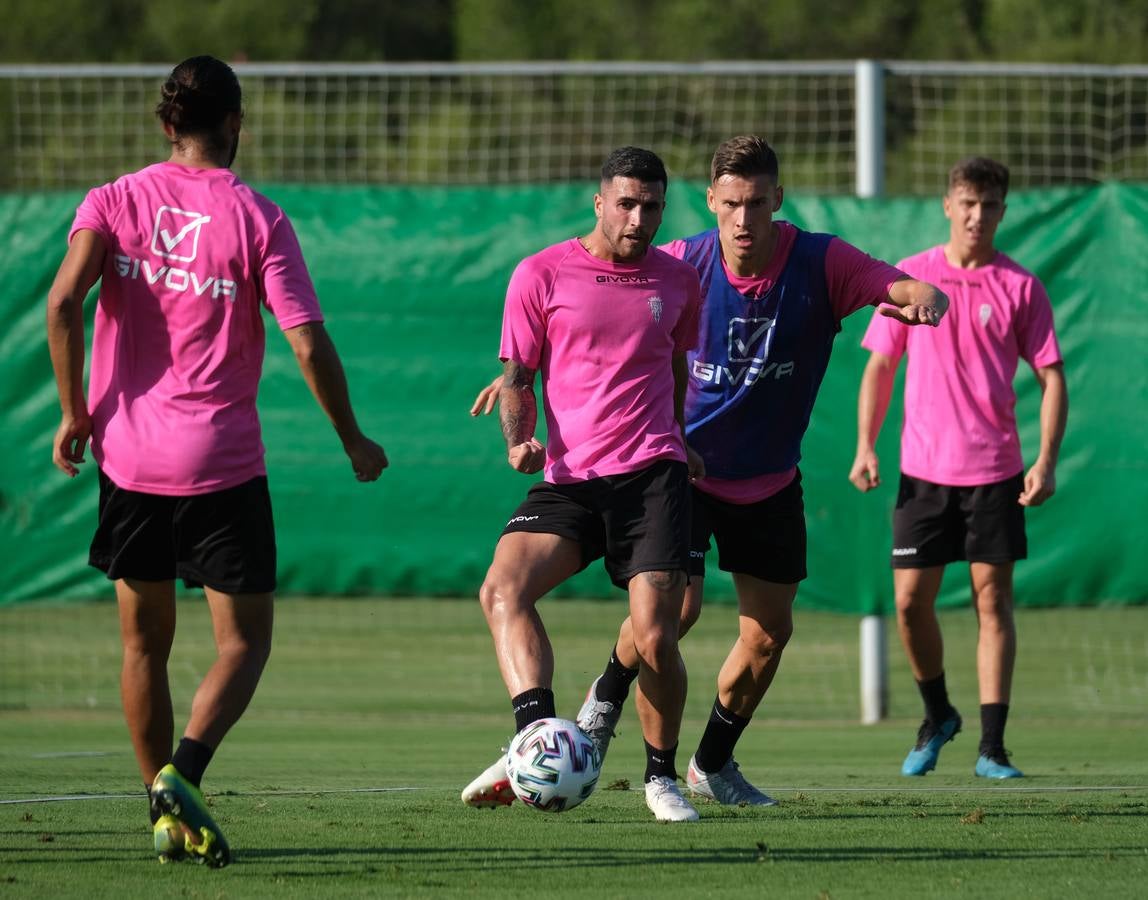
993 718
532 705
718 740
614 684
660 762
191 759
936 697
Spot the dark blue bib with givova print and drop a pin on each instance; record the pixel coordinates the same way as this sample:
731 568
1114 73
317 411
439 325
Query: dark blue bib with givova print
759 362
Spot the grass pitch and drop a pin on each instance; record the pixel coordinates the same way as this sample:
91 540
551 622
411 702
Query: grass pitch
343 778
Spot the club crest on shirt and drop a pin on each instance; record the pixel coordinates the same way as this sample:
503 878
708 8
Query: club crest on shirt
656 308
985 314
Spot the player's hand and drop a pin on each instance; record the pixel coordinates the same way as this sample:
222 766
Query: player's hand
913 314
368 459
71 439
865 473
528 457
695 464
487 398
1039 485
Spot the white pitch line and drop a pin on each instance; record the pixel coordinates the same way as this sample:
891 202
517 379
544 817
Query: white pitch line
75 754
65 797
987 789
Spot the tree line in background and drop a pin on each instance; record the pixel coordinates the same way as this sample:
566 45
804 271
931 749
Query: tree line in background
1110 32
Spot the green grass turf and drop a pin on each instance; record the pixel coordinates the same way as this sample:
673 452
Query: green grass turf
363 698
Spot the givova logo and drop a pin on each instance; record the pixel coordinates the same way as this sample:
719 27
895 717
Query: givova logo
745 335
748 348
176 233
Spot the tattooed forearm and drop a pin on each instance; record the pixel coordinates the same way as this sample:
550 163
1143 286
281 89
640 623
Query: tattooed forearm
518 410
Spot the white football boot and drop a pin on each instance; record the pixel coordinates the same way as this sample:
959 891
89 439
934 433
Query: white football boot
490 789
599 719
666 801
728 786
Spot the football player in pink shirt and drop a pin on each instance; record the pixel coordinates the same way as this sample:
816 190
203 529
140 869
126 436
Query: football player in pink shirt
773 300
186 255
605 320
964 489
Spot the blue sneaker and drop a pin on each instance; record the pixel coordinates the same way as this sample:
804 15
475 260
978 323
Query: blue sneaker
930 739
995 764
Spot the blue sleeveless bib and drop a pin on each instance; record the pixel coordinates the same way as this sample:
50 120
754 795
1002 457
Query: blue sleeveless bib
759 362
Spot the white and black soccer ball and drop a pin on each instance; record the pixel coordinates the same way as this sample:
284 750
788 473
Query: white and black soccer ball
552 765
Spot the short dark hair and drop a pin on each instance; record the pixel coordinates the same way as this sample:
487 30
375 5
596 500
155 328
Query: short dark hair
199 95
634 162
981 172
745 156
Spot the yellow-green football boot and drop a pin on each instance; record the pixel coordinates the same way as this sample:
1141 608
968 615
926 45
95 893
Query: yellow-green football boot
181 801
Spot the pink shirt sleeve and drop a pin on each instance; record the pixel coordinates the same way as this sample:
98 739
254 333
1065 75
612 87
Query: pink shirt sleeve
524 316
855 279
1038 344
886 336
285 283
95 213
676 248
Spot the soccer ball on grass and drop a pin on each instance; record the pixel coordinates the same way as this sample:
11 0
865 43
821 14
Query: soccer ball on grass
552 765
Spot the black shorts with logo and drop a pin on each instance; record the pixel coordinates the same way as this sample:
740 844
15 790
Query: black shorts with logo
765 539
224 539
638 521
935 524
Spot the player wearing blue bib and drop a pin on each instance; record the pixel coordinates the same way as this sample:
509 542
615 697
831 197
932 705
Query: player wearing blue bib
773 297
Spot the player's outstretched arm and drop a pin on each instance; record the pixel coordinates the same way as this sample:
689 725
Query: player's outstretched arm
518 413
487 398
1040 480
872 404
323 371
915 303
79 270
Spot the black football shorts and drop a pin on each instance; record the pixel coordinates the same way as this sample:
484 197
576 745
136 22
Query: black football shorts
936 524
224 539
638 521
766 539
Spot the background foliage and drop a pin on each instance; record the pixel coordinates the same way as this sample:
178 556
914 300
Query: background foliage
1110 31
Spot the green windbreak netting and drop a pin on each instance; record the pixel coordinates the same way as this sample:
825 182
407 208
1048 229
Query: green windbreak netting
412 282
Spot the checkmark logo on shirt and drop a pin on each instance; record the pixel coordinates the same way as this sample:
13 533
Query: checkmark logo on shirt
176 233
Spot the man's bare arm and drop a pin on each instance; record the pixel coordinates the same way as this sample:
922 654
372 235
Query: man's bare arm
915 302
1040 480
872 404
518 414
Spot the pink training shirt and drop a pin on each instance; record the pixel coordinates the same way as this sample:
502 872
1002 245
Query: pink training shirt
960 407
602 335
854 280
177 350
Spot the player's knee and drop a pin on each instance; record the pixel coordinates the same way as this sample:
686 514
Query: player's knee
488 597
994 604
657 646
497 596
767 638
911 605
248 650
